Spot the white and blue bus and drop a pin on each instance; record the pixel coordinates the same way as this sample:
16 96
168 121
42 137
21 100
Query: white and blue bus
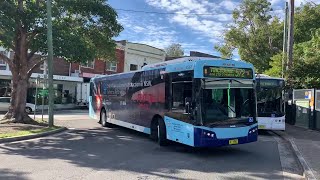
270 102
200 102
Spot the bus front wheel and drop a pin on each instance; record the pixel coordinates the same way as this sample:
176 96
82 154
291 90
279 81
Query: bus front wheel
162 133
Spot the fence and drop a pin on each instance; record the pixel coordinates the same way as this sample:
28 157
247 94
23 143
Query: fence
303 108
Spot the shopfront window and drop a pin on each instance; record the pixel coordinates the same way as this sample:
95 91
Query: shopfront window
64 93
5 88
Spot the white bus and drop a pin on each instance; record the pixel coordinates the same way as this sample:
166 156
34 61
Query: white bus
270 102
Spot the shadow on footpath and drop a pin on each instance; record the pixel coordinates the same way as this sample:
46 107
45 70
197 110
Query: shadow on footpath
122 149
9 174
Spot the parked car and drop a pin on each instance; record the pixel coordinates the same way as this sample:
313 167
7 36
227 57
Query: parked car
5 103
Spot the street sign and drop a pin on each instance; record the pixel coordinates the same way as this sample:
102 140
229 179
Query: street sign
43 92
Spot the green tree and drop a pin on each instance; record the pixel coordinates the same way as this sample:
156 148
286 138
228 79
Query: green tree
306 70
306 21
304 73
225 50
174 50
255 34
82 31
276 64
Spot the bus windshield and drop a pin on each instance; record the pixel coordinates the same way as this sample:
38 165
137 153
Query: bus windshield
269 98
223 104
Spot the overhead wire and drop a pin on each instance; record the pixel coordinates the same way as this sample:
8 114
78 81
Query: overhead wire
177 13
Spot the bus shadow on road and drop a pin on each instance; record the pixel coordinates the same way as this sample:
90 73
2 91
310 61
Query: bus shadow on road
119 149
264 132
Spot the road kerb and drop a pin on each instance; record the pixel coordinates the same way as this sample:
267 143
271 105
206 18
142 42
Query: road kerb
33 136
307 171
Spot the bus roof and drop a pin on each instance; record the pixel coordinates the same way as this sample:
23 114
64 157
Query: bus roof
264 76
187 63
194 60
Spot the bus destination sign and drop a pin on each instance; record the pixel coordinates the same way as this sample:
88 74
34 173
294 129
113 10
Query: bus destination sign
222 72
271 83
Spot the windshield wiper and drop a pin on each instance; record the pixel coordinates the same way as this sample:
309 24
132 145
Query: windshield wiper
232 121
231 109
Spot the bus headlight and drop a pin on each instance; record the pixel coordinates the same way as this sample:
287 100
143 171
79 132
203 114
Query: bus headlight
208 134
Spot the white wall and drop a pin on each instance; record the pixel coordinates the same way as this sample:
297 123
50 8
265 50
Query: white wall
139 54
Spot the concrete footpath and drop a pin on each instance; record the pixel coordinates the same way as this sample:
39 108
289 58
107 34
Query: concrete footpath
306 144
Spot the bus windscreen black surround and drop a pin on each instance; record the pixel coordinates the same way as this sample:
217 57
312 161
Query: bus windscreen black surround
226 72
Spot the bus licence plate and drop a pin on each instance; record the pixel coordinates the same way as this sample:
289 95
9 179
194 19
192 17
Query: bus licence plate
261 127
233 141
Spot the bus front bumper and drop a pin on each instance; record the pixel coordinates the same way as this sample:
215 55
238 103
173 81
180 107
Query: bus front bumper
205 138
272 123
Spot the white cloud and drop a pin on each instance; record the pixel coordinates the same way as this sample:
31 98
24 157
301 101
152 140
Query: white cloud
205 30
229 5
211 21
147 32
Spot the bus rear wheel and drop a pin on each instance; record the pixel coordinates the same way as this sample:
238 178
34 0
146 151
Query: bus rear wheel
162 133
103 119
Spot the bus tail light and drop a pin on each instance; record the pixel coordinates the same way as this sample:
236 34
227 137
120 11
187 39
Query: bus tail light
98 100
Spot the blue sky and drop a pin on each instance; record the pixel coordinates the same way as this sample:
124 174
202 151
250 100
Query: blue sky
193 32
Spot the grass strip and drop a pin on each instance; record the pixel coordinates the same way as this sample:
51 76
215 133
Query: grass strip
26 132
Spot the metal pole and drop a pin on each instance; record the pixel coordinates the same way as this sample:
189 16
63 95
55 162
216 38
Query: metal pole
50 62
285 39
43 88
290 35
36 98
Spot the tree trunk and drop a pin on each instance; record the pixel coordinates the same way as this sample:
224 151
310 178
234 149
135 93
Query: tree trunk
17 113
20 75
19 85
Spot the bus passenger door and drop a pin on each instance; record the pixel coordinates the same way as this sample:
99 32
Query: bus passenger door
178 121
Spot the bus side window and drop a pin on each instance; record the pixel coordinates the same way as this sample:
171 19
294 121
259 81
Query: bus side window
181 92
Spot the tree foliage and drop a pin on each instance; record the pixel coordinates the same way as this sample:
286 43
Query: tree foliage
306 20
255 33
225 51
174 50
306 70
306 53
82 31
276 64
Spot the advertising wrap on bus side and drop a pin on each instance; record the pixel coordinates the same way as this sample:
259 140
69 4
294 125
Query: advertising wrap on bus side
200 102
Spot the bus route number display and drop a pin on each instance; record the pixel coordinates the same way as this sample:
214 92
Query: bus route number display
221 72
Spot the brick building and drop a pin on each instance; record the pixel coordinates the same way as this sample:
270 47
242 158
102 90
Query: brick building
98 67
129 57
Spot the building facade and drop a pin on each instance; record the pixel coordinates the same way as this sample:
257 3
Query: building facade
138 55
64 85
129 57
67 76
98 67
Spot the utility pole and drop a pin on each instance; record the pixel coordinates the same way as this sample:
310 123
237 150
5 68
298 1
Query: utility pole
290 35
50 62
285 39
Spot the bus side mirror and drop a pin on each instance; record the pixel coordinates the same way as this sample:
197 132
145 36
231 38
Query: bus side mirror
188 102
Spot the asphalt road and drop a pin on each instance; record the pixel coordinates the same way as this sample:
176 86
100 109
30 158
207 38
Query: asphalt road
89 151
